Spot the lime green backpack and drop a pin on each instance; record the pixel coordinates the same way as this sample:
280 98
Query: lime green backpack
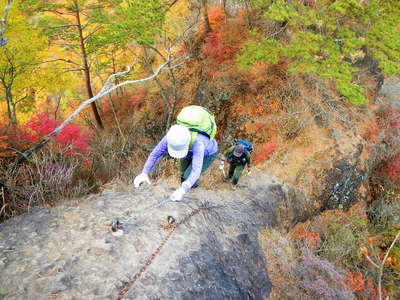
199 120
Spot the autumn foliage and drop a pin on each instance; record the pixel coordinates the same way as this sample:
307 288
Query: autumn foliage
218 43
355 281
4 147
313 238
216 17
393 169
364 286
73 139
265 151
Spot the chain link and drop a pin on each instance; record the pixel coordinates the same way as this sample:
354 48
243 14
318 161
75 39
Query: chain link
151 258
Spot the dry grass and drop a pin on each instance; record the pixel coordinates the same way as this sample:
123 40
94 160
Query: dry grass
52 176
45 179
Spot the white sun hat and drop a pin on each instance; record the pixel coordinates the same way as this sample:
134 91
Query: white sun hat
178 139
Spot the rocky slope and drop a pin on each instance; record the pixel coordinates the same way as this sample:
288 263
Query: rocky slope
210 252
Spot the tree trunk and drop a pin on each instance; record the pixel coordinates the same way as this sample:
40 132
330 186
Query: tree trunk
207 26
86 66
224 6
165 92
175 97
12 114
148 65
103 92
120 91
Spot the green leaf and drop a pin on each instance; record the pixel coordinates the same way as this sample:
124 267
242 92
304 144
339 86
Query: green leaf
327 38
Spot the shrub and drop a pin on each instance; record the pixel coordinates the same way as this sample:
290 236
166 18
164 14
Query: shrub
45 179
298 273
73 139
393 168
321 279
355 281
350 241
216 48
138 98
216 16
264 152
384 212
309 237
225 38
119 156
5 150
385 155
343 236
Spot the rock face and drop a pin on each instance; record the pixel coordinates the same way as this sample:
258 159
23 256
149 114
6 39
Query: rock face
210 252
342 182
390 90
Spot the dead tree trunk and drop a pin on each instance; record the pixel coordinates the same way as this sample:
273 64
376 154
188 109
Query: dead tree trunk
103 92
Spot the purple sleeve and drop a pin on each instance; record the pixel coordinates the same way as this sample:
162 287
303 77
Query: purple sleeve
197 164
155 155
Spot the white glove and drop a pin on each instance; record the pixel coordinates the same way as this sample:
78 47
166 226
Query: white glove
141 178
221 166
177 195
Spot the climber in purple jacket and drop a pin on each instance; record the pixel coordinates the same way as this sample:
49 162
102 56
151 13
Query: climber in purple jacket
196 153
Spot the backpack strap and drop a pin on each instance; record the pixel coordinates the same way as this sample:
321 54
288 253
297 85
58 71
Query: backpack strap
200 131
193 135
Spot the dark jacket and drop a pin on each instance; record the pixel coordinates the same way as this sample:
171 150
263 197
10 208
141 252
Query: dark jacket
232 159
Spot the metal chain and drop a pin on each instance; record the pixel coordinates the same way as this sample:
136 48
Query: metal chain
146 210
116 223
151 258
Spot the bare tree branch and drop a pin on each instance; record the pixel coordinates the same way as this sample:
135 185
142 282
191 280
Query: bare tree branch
92 32
172 3
4 201
147 64
21 99
176 65
63 59
71 47
383 264
62 26
74 70
112 108
276 33
111 78
104 91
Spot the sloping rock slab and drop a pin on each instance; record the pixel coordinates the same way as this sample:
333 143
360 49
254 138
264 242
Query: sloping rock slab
211 252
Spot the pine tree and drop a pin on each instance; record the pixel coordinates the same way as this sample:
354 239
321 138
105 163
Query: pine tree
328 37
